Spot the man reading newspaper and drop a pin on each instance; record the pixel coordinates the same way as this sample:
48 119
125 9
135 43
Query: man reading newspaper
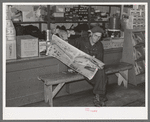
92 45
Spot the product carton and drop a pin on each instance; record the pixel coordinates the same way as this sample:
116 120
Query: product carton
10 49
42 46
59 8
28 16
27 46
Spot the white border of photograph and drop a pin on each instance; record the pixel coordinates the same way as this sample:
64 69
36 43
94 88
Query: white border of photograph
75 113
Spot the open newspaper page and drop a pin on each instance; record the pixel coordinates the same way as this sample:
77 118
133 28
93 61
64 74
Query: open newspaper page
73 57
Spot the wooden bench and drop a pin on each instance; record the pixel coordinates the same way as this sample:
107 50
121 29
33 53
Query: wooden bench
120 69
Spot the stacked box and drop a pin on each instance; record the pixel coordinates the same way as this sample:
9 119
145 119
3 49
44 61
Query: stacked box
58 8
10 50
10 37
42 46
58 14
113 43
139 7
136 12
136 18
27 46
117 42
28 16
107 44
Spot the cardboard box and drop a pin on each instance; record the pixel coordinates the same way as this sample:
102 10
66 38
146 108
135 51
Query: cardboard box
138 6
58 14
135 6
42 46
135 26
136 19
141 7
135 12
116 43
11 50
58 8
27 46
135 22
107 44
28 16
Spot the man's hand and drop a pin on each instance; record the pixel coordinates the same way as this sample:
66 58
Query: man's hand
102 67
63 34
72 32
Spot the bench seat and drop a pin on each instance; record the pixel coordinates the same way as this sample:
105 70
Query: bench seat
120 69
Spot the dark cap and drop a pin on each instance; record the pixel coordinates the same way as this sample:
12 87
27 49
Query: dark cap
97 29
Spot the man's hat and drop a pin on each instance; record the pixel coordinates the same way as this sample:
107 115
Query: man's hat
97 29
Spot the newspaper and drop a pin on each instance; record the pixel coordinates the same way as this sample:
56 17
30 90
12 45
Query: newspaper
73 57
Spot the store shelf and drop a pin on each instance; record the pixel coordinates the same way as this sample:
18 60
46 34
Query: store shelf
135 30
136 75
38 22
63 20
140 59
108 5
139 45
60 21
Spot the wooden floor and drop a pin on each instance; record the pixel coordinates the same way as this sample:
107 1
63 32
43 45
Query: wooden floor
117 96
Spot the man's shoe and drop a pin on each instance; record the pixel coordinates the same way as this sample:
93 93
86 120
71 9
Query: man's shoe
102 103
99 101
103 98
96 101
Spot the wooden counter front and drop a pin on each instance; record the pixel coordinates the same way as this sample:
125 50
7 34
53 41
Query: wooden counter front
23 87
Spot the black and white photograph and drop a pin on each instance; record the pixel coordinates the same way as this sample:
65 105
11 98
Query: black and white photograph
75 60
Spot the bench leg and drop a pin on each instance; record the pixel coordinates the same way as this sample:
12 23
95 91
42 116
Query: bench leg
48 95
123 77
57 88
68 88
45 93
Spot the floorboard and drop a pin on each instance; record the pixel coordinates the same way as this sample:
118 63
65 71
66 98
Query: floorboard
118 96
